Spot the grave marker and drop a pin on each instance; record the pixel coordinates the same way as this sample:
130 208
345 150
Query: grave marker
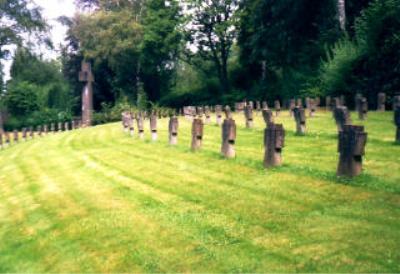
153 126
274 141
208 114
381 101
268 117
248 113
277 108
342 117
228 135
197 133
16 136
218 112
300 118
362 108
173 127
352 141
140 124
24 134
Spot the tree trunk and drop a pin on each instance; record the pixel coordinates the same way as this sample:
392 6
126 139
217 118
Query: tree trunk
341 6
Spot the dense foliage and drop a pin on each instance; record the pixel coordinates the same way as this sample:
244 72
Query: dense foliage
180 52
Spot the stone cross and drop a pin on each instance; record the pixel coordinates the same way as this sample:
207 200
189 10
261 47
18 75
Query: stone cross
228 138
274 141
277 108
197 133
86 76
248 113
342 117
153 126
173 127
300 118
362 108
381 101
218 113
352 141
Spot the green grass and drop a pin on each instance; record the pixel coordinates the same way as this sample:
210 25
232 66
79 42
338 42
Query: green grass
97 200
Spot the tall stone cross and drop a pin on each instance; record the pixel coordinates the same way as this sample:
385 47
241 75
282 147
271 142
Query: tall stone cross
86 75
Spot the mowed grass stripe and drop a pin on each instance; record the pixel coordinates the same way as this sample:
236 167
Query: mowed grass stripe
134 205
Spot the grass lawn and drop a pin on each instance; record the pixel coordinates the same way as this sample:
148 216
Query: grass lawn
97 200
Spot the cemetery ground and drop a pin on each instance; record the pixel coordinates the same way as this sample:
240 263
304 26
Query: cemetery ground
98 200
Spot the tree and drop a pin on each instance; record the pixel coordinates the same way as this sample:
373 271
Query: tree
18 18
212 29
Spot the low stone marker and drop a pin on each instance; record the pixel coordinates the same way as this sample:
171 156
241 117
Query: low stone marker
153 126
300 118
352 141
31 133
140 124
53 127
46 129
342 100
66 126
258 106
357 101
60 127
239 107
292 105
362 108
16 136
173 130
218 113
274 141
328 103
228 135
342 117
397 123
396 102
197 133
24 133
7 139
207 112
381 101
39 130
73 125
299 102
264 105
336 103
268 117
125 116
131 125
277 108
200 111
248 113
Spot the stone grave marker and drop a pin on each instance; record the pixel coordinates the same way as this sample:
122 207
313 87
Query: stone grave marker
53 127
218 113
31 133
248 113
258 105
66 126
153 126
277 108
207 112
351 148
362 108
39 131
60 127
24 135
381 101
264 105
300 118
197 134
228 135
342 117
16 136
328 103
292 105
7 139
173 127
140 124
268 117
274 141
313 107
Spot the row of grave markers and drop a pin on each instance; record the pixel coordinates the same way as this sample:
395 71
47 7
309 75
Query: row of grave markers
29 133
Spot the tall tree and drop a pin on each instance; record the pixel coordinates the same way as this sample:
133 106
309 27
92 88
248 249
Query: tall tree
211 30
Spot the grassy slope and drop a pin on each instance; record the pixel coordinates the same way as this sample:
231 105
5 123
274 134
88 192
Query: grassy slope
97 200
